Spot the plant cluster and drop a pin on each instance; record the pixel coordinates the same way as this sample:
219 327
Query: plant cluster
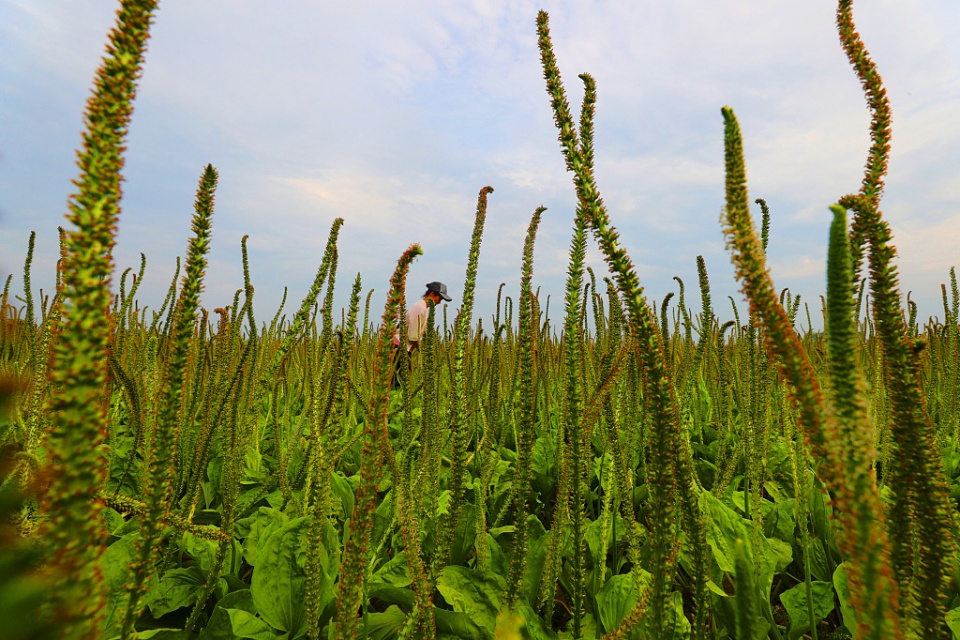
177 474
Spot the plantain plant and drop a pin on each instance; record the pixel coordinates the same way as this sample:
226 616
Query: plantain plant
643 470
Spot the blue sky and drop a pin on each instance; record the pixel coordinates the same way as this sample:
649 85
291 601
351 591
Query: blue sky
394 115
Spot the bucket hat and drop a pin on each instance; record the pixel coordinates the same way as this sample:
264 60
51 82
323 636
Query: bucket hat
439 288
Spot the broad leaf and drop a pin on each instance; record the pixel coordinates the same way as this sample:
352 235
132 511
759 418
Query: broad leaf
344 492
115 565
795 602
279 578
536 558
178 588
474 593
203 551
535 626
253 470
842 584
390 594
818 560
458 625
953 621
261 526
248 626
677 623
779 520
724 527
617 599
220 626
394 571
388 624
465 537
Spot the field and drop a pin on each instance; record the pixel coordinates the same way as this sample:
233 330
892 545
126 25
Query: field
636 470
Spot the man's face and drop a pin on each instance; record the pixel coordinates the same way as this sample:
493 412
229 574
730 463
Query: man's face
434 297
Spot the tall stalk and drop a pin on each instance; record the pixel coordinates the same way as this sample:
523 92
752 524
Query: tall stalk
526 432
857 498
460 435
667 459
78 368
165 420
357 534
921 524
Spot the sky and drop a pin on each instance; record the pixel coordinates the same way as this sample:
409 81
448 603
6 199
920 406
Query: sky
393 116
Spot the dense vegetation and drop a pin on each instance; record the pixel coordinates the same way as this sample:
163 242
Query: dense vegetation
642 471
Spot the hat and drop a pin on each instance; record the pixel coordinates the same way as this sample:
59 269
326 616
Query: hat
439 288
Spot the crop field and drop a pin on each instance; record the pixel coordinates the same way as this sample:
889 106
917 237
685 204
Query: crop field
635 469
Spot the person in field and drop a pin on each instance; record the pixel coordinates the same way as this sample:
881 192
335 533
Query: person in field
416 325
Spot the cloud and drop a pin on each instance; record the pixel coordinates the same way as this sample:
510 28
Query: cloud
394 118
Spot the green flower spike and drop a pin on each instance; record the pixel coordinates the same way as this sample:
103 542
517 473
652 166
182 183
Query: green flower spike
863 532
78 360
357 534
668 459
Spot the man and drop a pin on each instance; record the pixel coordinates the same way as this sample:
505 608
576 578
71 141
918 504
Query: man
417 324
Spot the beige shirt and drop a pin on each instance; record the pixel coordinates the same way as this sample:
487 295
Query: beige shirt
416 321
416 324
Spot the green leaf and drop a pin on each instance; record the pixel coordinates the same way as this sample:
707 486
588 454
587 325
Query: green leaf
715 588
248 626
724 528
220 626
279 578
953 621
383 516
115 565
388 624
203 551
795 602
394 571
842 585
474 593
589 627
343 490
818 560
458 625
498 560
390 594
178 588
497 531
779 519
535 626
616 599
778 553
263 525
161 634
773 487
750 624
821 512
593 534
113 521
211 488
443 503
253 471
677 626
536 558
544 463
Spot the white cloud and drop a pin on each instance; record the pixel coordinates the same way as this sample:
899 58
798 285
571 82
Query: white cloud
385 115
